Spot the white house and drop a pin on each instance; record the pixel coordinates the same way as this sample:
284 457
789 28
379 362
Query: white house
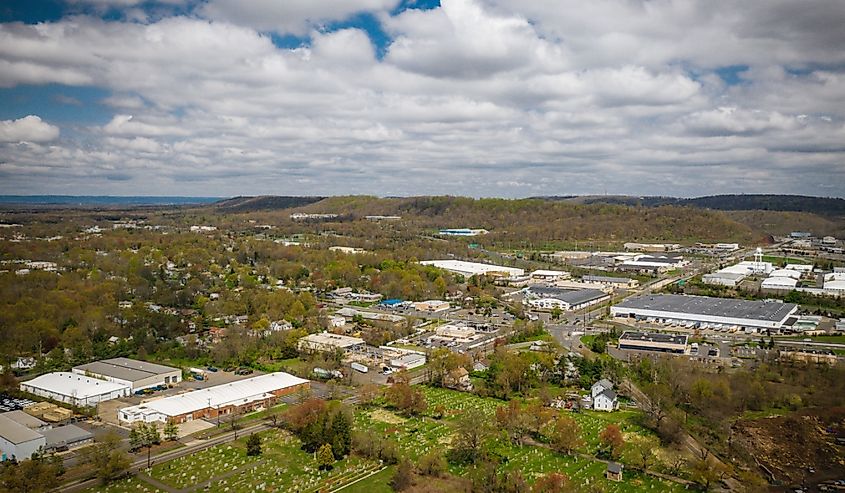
604 398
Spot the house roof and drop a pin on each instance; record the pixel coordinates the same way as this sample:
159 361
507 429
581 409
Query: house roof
608 393
614 467
604 383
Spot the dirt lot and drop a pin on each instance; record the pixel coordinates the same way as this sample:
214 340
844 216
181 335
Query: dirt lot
799 449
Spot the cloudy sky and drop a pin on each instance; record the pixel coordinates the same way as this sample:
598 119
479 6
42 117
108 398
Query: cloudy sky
506 98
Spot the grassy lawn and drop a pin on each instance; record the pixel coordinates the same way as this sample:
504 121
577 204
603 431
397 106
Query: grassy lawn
377 483
132 485
830 339
418 436
282 466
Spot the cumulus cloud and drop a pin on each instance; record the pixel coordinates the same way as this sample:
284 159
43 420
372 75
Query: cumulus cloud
476 97
290 16
27 129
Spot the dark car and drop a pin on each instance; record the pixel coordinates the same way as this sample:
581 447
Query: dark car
212 369
244 371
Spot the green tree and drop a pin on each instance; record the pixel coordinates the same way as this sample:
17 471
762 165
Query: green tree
325 457
403 478
171 430
107 458
39 474
253 445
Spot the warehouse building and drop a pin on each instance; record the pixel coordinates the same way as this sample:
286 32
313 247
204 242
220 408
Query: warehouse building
18 441
75 389
779 283
549 298
469 269
136 374
233 398
706 312
661 343
615 282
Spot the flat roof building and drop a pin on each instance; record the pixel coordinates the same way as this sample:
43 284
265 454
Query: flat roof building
18 441
549 298
75 389
67 436
645 341
262 391
616 282
133 373
469 269
706 311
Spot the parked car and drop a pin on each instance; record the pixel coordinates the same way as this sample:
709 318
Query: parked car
212 369
244 371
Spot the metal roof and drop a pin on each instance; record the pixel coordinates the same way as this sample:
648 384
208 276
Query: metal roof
73 385
66 435
622 280
714 307
223 395
654 337
126 369
572 297
16 433
25 419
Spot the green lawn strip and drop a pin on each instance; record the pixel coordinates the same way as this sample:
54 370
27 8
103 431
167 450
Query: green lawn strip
288 468
829 339
129 485
377 483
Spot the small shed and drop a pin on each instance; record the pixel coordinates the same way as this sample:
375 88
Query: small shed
614 471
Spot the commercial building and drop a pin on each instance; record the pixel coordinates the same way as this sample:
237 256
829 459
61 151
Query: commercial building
549 298
615 282
817 356
18 441
138 375
779 283
75 389
653 263
469 269
661 343
238 397
65 437
549 275
408 361
327 342
651 247
432 306
351 314
723 278
706 312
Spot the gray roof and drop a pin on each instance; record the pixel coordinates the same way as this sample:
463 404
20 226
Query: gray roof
605 383
125 369
619 280
608 393
25 419
15 432
573 297
714 307
66 435
653 337
614 467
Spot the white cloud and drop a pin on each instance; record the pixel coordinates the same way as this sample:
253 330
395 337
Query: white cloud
289 16
477 97
27 129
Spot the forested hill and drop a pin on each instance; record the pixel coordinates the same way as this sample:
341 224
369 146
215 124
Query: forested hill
263 202
822 206
538 221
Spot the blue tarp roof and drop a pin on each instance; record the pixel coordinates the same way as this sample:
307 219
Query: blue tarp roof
392 301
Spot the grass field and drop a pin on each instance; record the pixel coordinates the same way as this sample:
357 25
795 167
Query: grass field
418 436
283 466
830 339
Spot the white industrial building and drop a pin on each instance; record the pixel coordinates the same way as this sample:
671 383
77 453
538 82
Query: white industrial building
659 263
136 374
432 306
549 275
722 278
326 341
615 282
18 441
794 274
703 311
654 342
75 389
469 269
779 283
550 298
408 361
254 393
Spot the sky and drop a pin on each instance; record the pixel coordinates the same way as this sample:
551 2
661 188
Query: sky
484 98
